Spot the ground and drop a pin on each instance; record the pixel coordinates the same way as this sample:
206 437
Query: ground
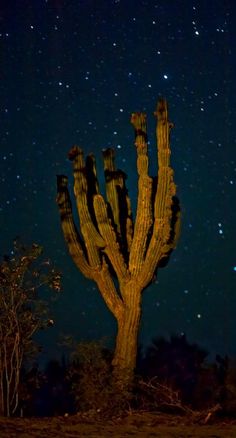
132 425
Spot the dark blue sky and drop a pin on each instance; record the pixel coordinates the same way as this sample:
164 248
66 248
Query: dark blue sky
72 72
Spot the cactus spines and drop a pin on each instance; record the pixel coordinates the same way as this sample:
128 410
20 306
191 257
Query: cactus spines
109 243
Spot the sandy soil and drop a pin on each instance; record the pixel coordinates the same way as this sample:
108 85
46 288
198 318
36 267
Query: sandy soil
133 425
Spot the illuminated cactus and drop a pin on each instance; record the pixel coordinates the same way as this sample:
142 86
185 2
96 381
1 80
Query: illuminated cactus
109 244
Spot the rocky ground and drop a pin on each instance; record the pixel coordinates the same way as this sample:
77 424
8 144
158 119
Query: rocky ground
142 424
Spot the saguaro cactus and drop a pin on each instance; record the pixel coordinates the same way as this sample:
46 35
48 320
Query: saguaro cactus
110 245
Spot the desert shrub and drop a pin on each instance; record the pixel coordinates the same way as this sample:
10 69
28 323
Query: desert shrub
93 384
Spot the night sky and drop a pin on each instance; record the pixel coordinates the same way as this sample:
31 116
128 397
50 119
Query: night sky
72 72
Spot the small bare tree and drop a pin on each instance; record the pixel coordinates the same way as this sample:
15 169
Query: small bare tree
21 315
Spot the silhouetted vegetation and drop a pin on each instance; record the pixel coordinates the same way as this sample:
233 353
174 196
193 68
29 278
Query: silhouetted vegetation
176 363
47 393
172 376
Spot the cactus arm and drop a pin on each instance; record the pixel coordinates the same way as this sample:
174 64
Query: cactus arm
111 247
93 240
144 208
92 181
166 189
129 229
175 224
126 221
70 232
117 196
108 291
160 244
111 178
177 229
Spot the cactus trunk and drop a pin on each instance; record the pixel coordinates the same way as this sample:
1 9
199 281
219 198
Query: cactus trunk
127 335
